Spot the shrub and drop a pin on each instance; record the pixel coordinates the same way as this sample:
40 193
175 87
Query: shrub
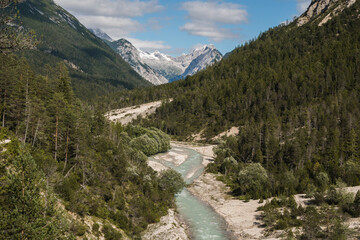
78 229
171 181
253 180
110 233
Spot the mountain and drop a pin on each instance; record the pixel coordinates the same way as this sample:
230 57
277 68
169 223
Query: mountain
323 10
94 67
100 34
184 65
294 95
159 68
162 64
132 56
201 58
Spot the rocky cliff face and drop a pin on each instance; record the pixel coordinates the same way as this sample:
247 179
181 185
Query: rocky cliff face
132 56
184 65
323 10
159 68
205 56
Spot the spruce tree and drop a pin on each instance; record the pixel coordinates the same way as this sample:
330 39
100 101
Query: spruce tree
25 211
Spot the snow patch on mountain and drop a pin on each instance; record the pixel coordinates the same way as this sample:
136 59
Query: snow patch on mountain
184 65
202 58
100 34
132 56
159 68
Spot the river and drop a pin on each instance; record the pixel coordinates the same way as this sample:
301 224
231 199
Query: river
203 221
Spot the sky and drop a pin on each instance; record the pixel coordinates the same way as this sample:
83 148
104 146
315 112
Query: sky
175 27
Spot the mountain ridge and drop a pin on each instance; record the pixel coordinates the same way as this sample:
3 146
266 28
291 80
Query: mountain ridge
324 10
132 56
157 66
93 65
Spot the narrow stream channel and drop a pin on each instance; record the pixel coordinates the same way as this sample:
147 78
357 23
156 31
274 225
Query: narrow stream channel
203 221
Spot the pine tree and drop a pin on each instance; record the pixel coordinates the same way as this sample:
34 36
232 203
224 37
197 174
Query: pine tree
26 213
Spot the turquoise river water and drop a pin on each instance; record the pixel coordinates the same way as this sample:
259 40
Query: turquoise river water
203 221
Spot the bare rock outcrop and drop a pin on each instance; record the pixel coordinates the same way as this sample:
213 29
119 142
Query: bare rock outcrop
319 7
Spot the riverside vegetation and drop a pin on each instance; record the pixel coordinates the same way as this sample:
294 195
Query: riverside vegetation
61 146
58 151
294 93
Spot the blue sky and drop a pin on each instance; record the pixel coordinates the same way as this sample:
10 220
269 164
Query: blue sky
176 27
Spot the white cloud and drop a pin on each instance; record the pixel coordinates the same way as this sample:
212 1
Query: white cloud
113 8
208 19
148 45
302 5
114 17
115 27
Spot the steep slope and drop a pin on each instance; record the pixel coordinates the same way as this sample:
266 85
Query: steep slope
101 34
132 56
323 10
184 65
286 68
294 94
162 64
201 59
97 170
159 68
96 69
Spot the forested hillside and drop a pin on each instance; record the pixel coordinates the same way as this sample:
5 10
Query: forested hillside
94 67
97 168
294 92
65 171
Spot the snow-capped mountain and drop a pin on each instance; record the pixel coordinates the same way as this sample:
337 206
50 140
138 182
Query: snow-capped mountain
184 65
200 59
132 56
165 65
159 68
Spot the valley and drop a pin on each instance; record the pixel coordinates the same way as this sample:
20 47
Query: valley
130 139
159 68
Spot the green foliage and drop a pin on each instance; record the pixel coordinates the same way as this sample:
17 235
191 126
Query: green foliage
94 67
25 213
171 181
12 37
110 233
96 167
253 180
322 181
78 229
294 94
149 141
323 222
353 208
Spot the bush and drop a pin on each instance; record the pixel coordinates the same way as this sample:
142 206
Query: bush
110 233
78 229
253 180
171 181
96 227
150 141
